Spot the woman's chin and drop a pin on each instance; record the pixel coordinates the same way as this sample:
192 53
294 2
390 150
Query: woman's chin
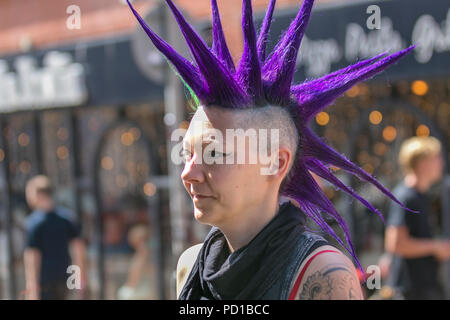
203 215
200 215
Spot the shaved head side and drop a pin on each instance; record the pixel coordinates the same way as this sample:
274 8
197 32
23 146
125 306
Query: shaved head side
271 117
267 117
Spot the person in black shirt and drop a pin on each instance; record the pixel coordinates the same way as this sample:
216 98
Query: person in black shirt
50 236
409 237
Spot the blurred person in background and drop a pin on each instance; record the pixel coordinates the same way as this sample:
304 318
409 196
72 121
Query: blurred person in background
138 285
409 238
51 240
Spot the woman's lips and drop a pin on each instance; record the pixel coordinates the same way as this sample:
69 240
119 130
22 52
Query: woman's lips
198 197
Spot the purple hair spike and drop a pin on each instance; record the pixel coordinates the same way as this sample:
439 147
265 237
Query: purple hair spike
185 68
264 31
308 86
304 188
223 88
220 47
278 71
249 72
323 93
323 172
313 147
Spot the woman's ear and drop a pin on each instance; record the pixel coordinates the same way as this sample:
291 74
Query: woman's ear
279 163
284 159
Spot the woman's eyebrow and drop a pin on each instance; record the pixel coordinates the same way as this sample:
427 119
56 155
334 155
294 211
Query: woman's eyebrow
206 139
209 140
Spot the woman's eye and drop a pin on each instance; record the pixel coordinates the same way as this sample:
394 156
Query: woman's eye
215 153
186 154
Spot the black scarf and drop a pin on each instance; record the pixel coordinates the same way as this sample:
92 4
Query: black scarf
249 271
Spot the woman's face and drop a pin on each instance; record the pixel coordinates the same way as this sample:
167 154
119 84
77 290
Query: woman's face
220 192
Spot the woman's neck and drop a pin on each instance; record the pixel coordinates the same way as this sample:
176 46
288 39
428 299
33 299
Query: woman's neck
240 233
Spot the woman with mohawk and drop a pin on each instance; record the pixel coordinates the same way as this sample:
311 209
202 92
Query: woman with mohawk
259 246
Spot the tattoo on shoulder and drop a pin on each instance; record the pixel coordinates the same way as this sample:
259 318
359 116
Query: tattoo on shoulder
334 281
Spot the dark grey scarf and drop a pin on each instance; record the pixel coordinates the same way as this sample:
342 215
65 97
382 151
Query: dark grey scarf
248 272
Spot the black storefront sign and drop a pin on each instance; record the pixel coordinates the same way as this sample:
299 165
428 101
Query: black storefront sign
109 75
338 35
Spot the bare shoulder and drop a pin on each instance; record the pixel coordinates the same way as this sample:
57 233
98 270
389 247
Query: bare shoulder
329 276
185 264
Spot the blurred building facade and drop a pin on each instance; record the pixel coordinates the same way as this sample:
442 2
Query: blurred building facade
86 107
82 102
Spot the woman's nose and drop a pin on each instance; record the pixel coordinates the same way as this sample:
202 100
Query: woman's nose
192 172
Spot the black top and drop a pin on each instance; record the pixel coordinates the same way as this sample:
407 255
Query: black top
256 270
51 234
417 274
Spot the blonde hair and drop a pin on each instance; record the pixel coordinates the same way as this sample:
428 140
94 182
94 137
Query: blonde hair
416 148
37 184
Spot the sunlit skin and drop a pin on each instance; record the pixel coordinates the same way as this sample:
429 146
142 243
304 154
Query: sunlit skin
236 198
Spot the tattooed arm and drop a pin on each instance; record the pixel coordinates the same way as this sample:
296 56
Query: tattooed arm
330 276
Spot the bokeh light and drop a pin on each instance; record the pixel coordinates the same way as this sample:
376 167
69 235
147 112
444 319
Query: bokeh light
322 118
149 189
380 149
375 117
127 138
389 133
107 163
62 152
422 131
419 87
23 139
353 92
25 166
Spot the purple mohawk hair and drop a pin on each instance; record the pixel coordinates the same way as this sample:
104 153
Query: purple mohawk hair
261 80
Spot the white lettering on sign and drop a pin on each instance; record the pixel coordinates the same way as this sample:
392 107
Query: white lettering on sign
59 83
359 45
318 56
430 37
